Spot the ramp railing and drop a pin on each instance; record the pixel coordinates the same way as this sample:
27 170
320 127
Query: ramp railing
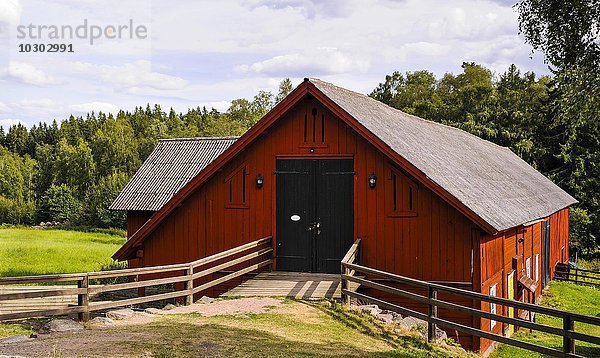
255 255
366 277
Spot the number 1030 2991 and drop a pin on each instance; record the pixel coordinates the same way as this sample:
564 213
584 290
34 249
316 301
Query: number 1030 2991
46 48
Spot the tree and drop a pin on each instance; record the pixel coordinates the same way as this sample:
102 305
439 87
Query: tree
261 104
99 198
285 87
60 204
74 166
17 139
414 93
568 34
114 147
521 107
45 155
241 111
16 187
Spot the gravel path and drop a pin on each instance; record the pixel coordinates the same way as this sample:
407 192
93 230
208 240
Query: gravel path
244 305
100 340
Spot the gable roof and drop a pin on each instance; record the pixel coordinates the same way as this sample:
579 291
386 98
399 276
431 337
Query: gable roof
170 166
492 181
487 183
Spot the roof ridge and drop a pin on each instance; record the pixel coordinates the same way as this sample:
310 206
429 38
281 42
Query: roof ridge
198 138
379 103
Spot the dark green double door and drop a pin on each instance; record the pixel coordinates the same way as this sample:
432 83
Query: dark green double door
314 214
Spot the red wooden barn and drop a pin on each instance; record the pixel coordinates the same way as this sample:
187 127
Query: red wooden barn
327 166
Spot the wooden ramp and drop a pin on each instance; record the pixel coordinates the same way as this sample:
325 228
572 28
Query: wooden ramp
300 285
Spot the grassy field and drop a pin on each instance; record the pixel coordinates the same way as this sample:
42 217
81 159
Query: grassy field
25 251
565 296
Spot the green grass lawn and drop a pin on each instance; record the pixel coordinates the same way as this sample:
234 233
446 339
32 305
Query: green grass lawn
566 296
9 330
25 251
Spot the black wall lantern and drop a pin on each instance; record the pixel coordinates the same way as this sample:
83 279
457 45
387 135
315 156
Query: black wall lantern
372 181
259 181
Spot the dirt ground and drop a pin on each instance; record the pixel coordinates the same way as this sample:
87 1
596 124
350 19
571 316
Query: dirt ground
246 305
108 340
244 327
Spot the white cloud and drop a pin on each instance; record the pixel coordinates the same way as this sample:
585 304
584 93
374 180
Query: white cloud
39 103
313 63
10 11
94 107
28 74
42 109
134 75
308 8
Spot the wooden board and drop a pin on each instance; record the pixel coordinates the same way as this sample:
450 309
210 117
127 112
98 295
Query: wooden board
289 284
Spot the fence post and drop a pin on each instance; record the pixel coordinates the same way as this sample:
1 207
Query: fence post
568 343
189 286
343 283
432 313
576 274
83 299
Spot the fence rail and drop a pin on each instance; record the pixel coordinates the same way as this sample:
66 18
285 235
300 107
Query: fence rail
351 272
183 273
571 273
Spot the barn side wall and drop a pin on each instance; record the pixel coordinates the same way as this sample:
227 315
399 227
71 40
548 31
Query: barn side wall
433 242
497 253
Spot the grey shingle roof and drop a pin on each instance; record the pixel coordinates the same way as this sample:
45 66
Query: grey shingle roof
171 165
491 180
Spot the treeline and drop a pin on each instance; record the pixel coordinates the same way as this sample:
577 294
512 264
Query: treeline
72 171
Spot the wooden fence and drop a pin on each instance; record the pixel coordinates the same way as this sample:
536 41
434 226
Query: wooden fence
571 273
366 277
259 251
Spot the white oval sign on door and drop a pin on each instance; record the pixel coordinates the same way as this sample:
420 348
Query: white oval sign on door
295 217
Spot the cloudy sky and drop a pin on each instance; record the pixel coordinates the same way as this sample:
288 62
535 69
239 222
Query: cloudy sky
209 52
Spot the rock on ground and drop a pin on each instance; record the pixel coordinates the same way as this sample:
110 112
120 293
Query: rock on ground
385 317
61 325
153 310
104 321
413 323
123 313
169 306
206 299
373 310
440 334
15 339
408 322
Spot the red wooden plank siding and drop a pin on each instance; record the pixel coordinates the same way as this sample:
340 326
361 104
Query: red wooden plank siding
435 243
496 253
